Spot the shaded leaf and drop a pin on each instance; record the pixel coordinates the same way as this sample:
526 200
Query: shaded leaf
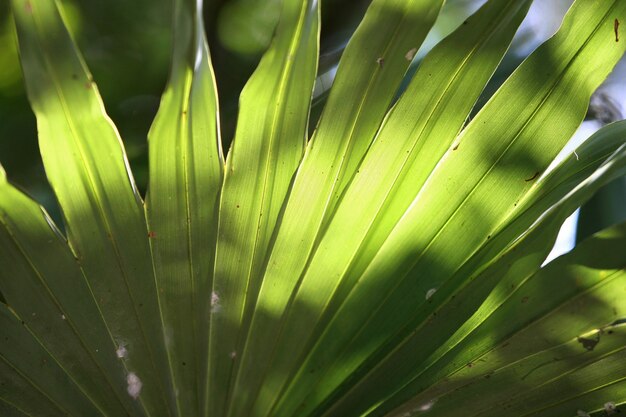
102 210
56 303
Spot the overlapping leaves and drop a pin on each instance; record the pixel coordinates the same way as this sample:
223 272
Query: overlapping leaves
388 265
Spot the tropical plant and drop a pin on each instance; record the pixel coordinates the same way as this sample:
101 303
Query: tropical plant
390 264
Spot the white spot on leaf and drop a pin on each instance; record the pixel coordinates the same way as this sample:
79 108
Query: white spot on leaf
424 407
134 385
410 54
121 352
581 413
233 354
215 302
430 293
610 408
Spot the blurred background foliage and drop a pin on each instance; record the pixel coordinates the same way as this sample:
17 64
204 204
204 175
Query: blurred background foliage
127 47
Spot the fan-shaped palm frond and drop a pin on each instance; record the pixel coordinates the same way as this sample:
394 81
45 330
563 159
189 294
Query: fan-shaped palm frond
388 265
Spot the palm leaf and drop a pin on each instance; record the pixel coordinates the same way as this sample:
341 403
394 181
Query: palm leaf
390 264
552 333
373 203
268 144
186 170
56 304
420 251
102 210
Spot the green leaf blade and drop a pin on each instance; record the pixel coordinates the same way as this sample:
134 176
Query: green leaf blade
57 304
10 410
425 357
392 172
266 151
571 303
341 138
88 170
472 183
186 170
29 368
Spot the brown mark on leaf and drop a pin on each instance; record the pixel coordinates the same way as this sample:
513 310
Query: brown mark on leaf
380 61
455 147
525 299
589 344
74 76
152 235
28 6
89 82
410 54
533 177
616 28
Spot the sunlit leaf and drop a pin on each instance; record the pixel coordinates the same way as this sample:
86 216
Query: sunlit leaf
89 174
186 170
391 263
